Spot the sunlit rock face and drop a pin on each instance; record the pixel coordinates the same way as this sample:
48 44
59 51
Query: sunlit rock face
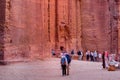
96 31
87 25
31 28
2 22
27 34
118 5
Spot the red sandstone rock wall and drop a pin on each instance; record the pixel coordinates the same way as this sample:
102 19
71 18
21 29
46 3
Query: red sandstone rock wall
95 25
91 24
34 27
69 31
99 25
118 27
114 11
28 30
2 24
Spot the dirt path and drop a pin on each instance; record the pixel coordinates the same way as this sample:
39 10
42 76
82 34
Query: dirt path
51 70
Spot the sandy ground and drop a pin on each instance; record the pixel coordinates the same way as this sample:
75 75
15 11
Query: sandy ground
51 70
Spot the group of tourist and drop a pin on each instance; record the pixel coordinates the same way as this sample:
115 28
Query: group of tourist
79 54
90 56
106 58
93 56
109 60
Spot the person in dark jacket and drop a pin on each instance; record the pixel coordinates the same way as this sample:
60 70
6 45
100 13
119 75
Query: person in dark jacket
80 54
68 61
103 60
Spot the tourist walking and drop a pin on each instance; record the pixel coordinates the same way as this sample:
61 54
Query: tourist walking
67 55
87 55
103 59
106 59
91 56
63 64
99 56
53 52
72 52
80 54
95 55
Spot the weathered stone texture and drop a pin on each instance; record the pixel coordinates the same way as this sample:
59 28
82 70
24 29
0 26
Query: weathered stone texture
113 8
95 25
2 26
70 31
99 25
28 30
34 27
118 27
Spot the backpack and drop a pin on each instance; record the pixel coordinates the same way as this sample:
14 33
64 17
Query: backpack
72 52
79 52
63 61
68 58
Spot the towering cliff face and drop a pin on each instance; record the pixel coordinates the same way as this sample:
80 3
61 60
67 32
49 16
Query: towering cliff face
27 34
2 22
118 27
114 15
69 24
91 25
31 28
95 25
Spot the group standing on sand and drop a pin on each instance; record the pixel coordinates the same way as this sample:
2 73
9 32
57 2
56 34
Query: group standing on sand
65 58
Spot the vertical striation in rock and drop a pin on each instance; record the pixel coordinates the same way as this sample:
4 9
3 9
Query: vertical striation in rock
2 27
113 8
99 25
29 29
118 7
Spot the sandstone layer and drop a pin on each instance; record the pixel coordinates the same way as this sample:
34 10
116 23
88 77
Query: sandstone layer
31 28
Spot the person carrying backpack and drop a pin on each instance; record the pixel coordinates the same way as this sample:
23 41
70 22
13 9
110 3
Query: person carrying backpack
80 54
53 52
72 52
63 64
